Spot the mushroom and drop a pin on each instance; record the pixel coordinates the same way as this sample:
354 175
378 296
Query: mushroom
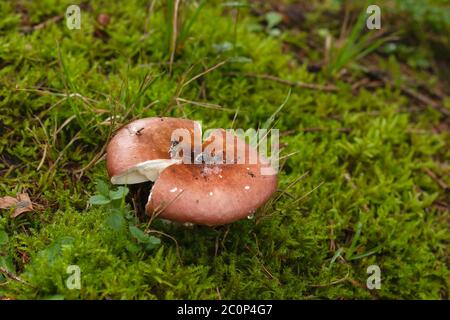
218 184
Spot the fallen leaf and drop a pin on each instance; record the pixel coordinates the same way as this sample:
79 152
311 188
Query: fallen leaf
22 203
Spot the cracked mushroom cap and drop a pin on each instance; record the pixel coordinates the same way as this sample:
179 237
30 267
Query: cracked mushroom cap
214 193
140 150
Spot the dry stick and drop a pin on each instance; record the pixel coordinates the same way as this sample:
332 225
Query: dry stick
182 83
332 282
43 91
436 179
235 117
314 129
332 242
297 200
178 91
204 72
149 15
61 153
293 183
308 193
218 293
288 155
418 96
44 155
367 84
160 209
98 157
298 84
43 24
216 246
65 123
344 25
262 265
174 34
224 236
203 104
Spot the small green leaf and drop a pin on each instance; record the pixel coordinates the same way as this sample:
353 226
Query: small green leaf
102 188
115 220
99 199
120 193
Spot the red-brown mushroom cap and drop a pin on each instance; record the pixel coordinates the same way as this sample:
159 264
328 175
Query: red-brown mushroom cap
213 194
140 150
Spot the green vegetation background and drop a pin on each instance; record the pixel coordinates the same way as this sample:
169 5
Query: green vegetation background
364 179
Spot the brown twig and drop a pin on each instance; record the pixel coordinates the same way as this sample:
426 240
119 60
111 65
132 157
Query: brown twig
43 24
417 96
424 99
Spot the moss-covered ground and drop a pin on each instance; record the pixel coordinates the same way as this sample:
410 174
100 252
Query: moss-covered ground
364 161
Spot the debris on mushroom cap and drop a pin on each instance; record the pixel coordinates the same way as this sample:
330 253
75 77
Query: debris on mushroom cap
139 151
225 186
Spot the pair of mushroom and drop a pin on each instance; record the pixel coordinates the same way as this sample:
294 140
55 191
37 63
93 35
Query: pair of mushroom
194 186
